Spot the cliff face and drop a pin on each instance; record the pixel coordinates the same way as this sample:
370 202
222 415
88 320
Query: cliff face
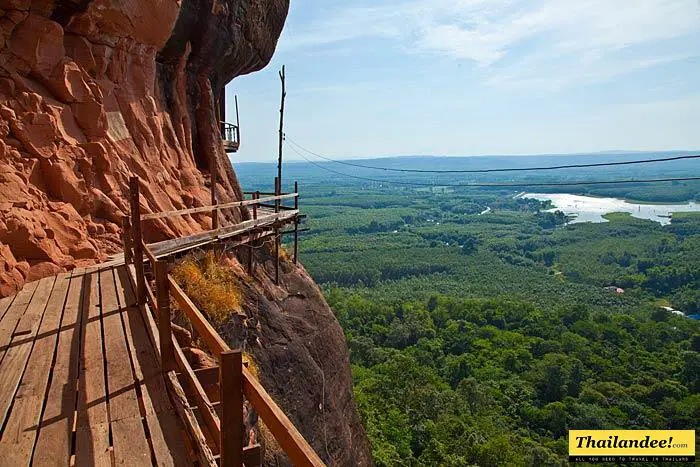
94 91
302 358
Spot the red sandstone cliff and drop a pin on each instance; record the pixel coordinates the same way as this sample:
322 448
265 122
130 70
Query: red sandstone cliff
93 91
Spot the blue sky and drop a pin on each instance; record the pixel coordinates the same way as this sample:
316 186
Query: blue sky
474 77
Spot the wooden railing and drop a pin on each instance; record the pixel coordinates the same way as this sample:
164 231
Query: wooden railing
223 421
276 214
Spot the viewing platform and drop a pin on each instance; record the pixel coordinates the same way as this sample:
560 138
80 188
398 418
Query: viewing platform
231 137
230 132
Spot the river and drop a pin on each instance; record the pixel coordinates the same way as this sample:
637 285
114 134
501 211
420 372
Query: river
592 209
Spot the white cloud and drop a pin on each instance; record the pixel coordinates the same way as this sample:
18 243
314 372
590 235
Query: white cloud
522 42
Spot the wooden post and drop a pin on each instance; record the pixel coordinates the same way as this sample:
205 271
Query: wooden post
165 333
231 390
256 195
278 189
238 122
214 202
250 253
137 240
222 113
251 246
281 135
296 224
126 240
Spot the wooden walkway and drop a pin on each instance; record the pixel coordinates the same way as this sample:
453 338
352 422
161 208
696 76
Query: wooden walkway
263 224
80 381
82 360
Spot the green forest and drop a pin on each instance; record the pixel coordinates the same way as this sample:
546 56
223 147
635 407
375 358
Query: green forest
480 338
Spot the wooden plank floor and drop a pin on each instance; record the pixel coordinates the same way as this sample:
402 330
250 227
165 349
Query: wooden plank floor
80 382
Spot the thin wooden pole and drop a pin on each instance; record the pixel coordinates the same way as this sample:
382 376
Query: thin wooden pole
281 134
251 252
231 390
296 224
277 237
214 202
222 113
256 195
137 240
165 333
126 240
238 122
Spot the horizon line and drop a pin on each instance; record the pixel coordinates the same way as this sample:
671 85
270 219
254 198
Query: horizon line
449 156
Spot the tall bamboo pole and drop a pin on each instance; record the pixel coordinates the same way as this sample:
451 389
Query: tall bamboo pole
281 133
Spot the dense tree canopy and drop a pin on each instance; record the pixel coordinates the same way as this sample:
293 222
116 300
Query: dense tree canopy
482 338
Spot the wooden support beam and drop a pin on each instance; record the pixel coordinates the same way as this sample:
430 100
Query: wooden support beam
238 121
231 387
222 111
281 133
214 171
126 240
278 188
149 254
251 249
165 333
251 252
137 239
256 198
296 225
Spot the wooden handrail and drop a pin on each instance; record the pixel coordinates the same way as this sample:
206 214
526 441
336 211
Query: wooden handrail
218 234
232 204
225 426
149 254
284 431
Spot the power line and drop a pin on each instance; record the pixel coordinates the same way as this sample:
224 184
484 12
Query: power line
497 185
513 169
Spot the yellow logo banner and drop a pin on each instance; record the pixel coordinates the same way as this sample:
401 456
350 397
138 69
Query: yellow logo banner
611 445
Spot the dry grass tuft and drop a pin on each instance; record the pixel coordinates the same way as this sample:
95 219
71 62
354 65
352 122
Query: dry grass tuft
284 254
214 287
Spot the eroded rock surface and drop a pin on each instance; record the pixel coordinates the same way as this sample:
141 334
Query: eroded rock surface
303 360
92 92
